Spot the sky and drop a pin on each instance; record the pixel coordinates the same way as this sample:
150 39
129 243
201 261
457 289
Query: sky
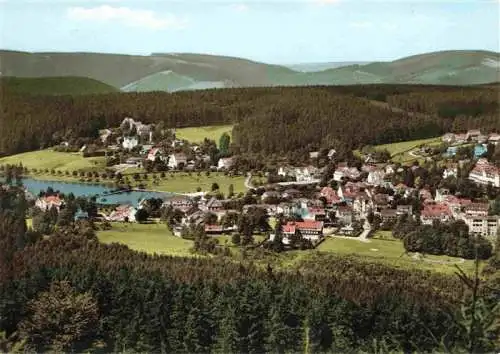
272 31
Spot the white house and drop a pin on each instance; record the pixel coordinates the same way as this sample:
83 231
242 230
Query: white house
448 138
177 160
346 172
485 173
285 171
104 134
225 163
376 177
304 174
450 172
441 194
494 138
123 213
314 154
130 142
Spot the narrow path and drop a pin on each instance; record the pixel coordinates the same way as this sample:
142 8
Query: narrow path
363 237
248 180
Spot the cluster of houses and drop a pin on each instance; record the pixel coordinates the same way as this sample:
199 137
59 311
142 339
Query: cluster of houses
473 135
341 210
446 207
136 133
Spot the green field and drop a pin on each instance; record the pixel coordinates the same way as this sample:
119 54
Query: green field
197 134
49 159
400 151
403 146
151 238
156 238
391 251
182 182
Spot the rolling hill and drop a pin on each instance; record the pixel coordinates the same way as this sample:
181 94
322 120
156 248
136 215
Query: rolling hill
54 86
313 67
184 71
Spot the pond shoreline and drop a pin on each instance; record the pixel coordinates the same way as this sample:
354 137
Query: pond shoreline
103 194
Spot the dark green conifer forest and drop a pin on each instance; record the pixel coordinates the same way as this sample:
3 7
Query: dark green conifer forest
279 120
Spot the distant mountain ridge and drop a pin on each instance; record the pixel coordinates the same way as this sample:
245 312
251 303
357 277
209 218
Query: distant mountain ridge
312 67
186 71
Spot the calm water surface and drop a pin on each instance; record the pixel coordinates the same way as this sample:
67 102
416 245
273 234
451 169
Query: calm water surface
34 186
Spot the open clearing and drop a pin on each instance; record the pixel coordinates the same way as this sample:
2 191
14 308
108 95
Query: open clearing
402 146
400 151
50 159
157 238
391 251
197 134
150 238
182 182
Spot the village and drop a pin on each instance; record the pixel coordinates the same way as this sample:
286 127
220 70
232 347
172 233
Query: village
311 202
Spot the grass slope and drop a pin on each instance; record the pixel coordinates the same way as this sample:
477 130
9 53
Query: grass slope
461 67
54 86
150 238
121 70
49 159
197 134
185 183
143 73
156 238
385 249
403 146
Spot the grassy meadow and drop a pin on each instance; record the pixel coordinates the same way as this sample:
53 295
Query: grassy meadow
400 151
157 238
197 134
386 249
402 146
150 238
54 160
182 182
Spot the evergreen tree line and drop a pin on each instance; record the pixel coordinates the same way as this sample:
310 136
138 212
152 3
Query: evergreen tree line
272 120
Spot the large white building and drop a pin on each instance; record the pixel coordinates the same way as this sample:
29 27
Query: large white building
485 173
486 226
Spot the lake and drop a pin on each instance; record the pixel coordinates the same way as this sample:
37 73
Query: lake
34 186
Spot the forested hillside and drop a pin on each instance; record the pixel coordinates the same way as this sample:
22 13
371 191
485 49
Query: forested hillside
172 72
54 86
282 120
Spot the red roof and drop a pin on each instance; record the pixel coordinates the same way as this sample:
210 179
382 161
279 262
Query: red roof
483 165
435 210
290 227
213 228
317 211
53 199
330 195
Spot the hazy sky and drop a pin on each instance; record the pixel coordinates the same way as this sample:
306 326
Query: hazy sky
276 31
